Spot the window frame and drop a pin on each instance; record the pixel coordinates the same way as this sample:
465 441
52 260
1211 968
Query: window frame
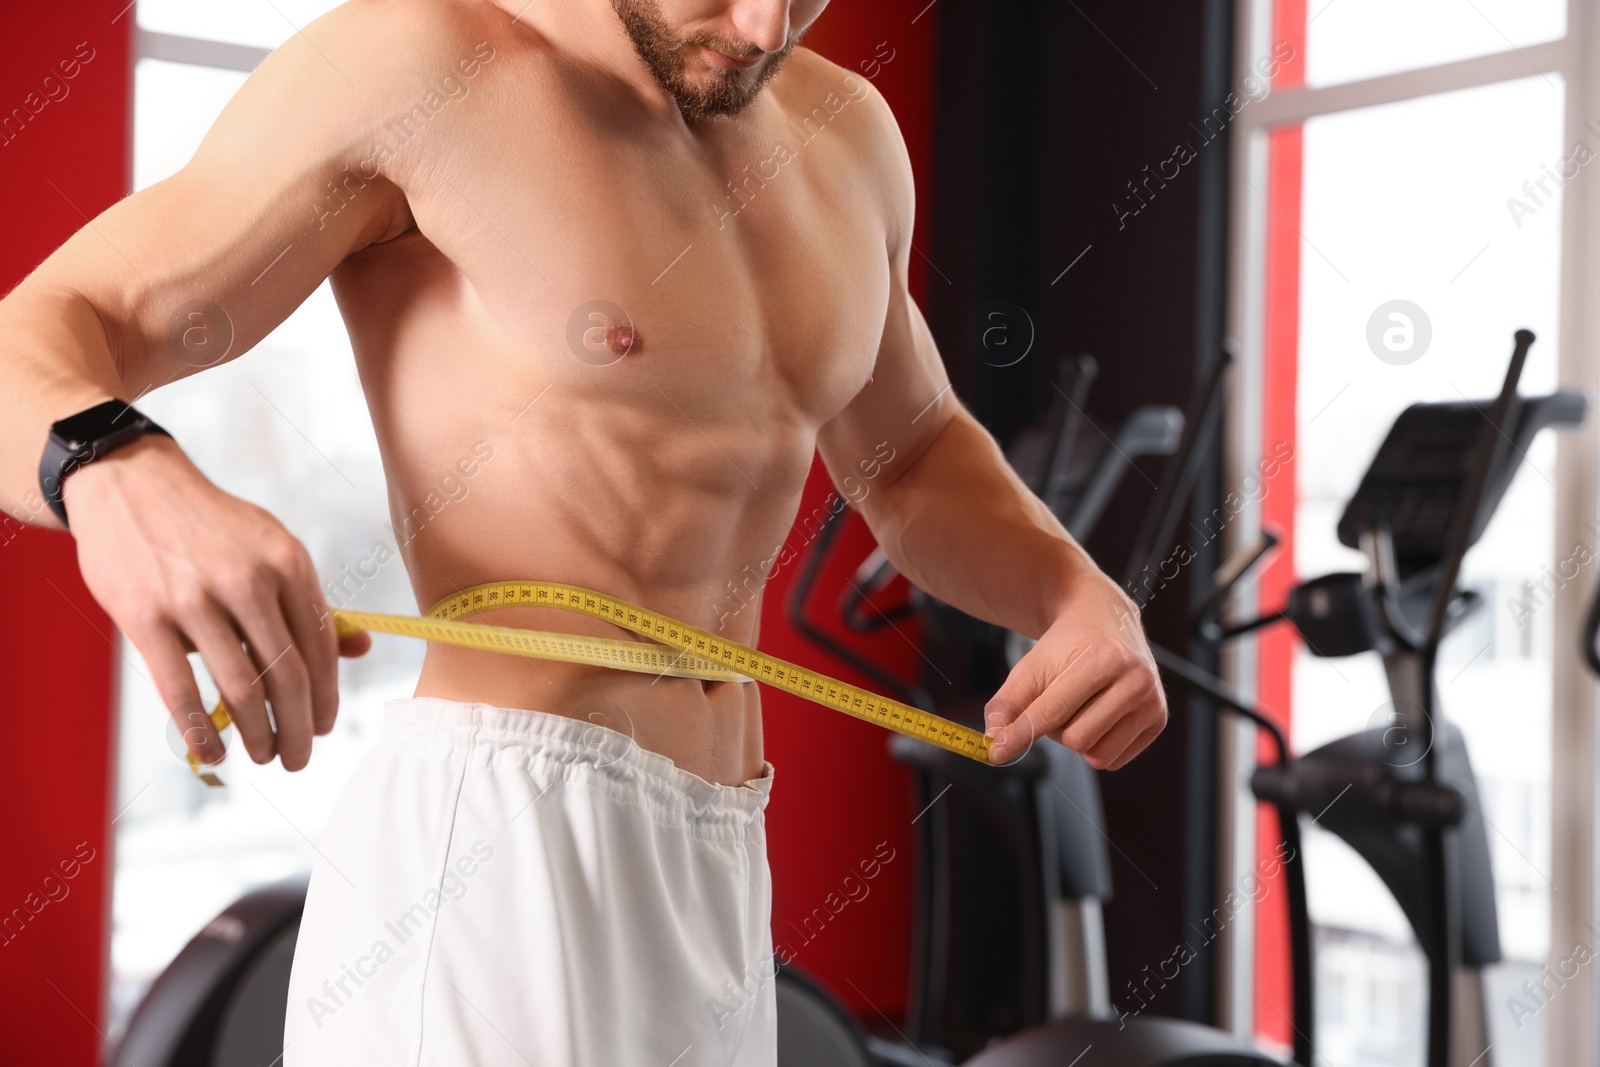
1573 1034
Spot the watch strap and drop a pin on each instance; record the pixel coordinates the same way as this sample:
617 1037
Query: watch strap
79 439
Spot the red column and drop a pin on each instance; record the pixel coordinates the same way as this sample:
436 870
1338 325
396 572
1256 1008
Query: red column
1281 342
64 156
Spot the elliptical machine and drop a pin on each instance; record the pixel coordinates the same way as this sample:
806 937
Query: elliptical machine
1024 845
1402 793
1430 492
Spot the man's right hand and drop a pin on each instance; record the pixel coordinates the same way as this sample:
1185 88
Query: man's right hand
181 566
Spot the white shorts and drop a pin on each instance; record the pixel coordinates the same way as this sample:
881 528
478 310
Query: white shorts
511 887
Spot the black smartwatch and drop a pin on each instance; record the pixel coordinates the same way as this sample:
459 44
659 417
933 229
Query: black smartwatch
82 438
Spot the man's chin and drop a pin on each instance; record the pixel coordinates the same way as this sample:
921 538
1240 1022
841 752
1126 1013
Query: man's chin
717 92
703 111
705 98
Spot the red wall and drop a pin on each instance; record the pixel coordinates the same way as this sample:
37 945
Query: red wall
57 167
838 795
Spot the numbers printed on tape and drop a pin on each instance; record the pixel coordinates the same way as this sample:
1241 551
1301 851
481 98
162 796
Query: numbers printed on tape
688 652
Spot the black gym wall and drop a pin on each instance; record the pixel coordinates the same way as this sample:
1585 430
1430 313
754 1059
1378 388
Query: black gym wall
1046 112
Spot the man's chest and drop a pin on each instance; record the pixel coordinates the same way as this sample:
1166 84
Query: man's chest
763 272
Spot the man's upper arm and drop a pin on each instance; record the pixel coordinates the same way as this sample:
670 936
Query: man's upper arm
909 400
199 267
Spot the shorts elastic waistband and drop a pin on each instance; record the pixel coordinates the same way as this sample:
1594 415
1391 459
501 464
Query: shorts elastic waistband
564 744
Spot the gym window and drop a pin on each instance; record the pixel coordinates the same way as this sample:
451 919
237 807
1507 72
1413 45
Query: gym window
1420 152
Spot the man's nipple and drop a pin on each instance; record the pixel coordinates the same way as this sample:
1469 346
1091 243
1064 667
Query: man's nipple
622 340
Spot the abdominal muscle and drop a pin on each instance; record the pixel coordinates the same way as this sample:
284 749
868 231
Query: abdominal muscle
618 524
711 729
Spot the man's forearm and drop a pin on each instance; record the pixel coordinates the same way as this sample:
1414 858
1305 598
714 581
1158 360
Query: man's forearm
960 524
56 361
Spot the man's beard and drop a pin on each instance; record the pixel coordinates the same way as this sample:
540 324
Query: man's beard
727 92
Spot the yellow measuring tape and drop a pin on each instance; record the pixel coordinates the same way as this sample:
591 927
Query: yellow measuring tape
682 651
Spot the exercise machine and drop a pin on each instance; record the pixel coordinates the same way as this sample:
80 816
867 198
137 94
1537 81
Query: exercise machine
1402 793
221 1002
1023 845
1431 491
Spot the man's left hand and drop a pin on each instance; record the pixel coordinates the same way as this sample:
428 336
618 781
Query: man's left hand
1090 683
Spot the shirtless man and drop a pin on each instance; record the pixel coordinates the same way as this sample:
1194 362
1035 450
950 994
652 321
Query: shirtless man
609 238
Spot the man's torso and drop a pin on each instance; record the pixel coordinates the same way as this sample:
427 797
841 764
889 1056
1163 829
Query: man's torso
751 264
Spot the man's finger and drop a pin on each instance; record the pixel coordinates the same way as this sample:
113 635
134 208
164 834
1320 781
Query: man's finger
357 644
1034 686
1060 706
220 645
1140 743
163 650
1010 743
287 680
1035 672
1076 687
317 639
1099 716
1109 747
998 715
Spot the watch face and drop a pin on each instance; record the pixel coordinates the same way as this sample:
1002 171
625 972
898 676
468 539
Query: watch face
102 420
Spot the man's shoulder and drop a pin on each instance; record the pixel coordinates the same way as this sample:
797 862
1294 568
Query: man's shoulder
817 93
812 65
809 77
371 73
816 89
394 41
421 23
